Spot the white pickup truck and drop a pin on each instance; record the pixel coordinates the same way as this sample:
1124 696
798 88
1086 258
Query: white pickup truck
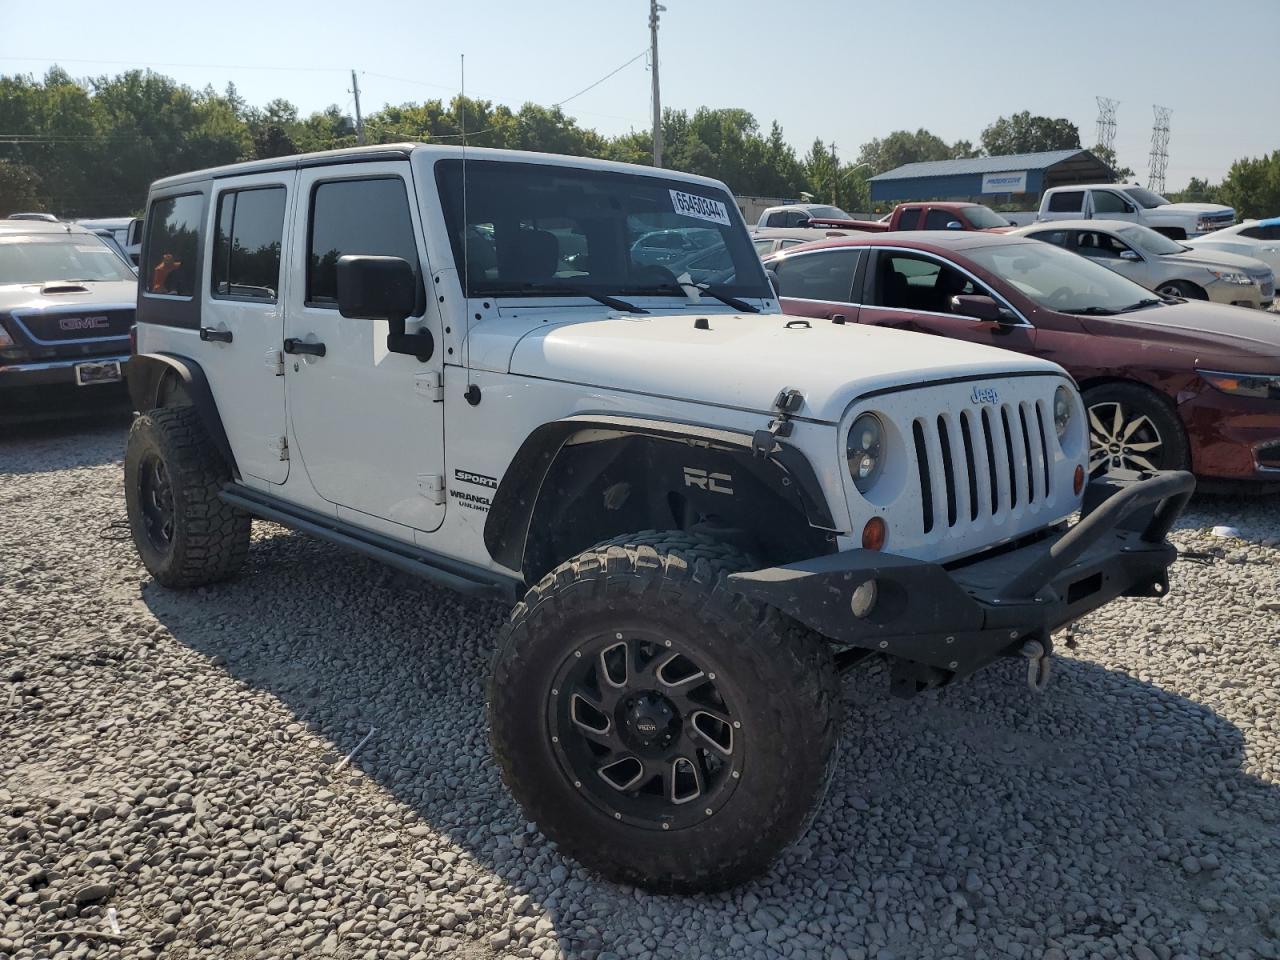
1118 201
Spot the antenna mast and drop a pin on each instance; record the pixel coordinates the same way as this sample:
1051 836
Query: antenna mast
1159 149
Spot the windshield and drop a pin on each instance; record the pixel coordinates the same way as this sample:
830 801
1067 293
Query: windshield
984 217
820 212
536 229
1058 279
1149 240
41 259
1145 198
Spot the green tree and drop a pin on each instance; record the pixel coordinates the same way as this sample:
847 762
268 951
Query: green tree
1252 186
19 188
1197 191
1024 133
903 147
1108 156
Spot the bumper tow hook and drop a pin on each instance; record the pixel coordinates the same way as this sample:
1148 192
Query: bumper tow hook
1039 655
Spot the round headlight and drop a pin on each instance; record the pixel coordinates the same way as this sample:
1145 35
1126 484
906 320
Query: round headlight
864 449
1062 407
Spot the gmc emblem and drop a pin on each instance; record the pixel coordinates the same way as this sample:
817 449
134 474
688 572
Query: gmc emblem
82 323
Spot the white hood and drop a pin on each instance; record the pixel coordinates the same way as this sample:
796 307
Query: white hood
742 361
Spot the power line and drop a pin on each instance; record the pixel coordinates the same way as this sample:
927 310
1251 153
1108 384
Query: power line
561 103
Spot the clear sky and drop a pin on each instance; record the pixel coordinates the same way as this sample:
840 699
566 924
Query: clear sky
951 66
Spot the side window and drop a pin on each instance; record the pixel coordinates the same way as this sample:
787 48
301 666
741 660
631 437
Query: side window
247 238
1056 237
776 220
823 275
795 218
1254 233
369 217
909 219
1099 245
763 246
912 282
173 235
790 243
938 219
1067 201
1104 201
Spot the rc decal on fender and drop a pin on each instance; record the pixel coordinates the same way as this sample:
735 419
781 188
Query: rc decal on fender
711 482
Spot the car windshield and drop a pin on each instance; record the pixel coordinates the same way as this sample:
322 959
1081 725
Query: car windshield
1058 279
41 259
984 217
827 213
1148 240
534 229
1145 198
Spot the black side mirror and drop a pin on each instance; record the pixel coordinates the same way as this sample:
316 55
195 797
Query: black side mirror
1130 208
803 222
977 307
383 288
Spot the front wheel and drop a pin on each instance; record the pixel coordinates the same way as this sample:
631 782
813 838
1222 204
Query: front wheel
1132 428
663 730
1181 288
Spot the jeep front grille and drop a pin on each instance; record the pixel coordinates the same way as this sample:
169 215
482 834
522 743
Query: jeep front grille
987 462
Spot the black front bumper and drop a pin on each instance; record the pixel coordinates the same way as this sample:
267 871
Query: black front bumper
939 622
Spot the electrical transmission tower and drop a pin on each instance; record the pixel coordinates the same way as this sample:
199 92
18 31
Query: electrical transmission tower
1159 150
1107 123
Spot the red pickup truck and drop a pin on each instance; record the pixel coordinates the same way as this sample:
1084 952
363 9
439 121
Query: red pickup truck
932 215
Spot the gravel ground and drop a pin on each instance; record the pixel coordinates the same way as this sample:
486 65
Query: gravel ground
173 763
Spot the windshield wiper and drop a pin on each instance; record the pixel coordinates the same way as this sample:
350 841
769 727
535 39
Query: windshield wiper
1091 312
1143 304
570 291
728 301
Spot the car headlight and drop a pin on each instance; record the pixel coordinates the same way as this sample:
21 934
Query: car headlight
1232 276
865 451
1062 410
1244 384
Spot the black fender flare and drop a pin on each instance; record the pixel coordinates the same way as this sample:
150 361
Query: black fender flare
506 528
144 372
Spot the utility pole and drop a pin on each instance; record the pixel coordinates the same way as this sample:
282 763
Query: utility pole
355 90
654 9
835 177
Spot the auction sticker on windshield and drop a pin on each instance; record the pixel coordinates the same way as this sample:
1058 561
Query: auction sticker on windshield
689 205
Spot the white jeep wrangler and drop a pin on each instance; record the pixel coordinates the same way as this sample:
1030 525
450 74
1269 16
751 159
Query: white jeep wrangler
701 510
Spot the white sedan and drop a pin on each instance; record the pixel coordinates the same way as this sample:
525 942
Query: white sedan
1259 239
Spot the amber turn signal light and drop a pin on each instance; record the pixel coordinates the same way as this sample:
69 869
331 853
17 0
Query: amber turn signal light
873 534
1078 482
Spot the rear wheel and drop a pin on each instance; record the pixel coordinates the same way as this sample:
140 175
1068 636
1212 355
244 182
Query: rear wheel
184 533
662 729
1132 428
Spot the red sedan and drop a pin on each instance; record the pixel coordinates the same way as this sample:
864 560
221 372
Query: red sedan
1169 383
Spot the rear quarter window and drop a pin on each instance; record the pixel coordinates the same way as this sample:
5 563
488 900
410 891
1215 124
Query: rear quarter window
172 245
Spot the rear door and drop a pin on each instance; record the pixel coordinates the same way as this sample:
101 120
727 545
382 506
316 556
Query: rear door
819 283
912 290
242 317
369 424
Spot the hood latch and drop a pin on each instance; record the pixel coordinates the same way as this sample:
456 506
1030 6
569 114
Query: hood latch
786 403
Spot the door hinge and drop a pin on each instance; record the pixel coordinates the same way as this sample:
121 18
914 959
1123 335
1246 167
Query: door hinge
429 385
431 486
274 361
280 445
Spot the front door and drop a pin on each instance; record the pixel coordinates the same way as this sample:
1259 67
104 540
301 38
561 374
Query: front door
368 424
913 291
242 317
1106 249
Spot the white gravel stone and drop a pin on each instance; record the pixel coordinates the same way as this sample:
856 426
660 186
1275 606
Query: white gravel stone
176 753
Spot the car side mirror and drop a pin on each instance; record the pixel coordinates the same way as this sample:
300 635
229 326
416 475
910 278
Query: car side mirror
955 225
979 307
773 280
383 288
804 222
1130 208
1129 255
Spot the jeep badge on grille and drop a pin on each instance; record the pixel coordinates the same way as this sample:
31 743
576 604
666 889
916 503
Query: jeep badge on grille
985 395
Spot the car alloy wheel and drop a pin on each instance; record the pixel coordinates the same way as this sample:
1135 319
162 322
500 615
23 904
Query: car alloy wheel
155 495
644 731
1122 439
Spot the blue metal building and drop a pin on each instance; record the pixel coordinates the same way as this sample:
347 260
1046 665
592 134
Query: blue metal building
1018 177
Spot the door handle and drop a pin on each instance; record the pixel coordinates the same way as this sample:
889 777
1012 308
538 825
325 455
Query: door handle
294 345
212 334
